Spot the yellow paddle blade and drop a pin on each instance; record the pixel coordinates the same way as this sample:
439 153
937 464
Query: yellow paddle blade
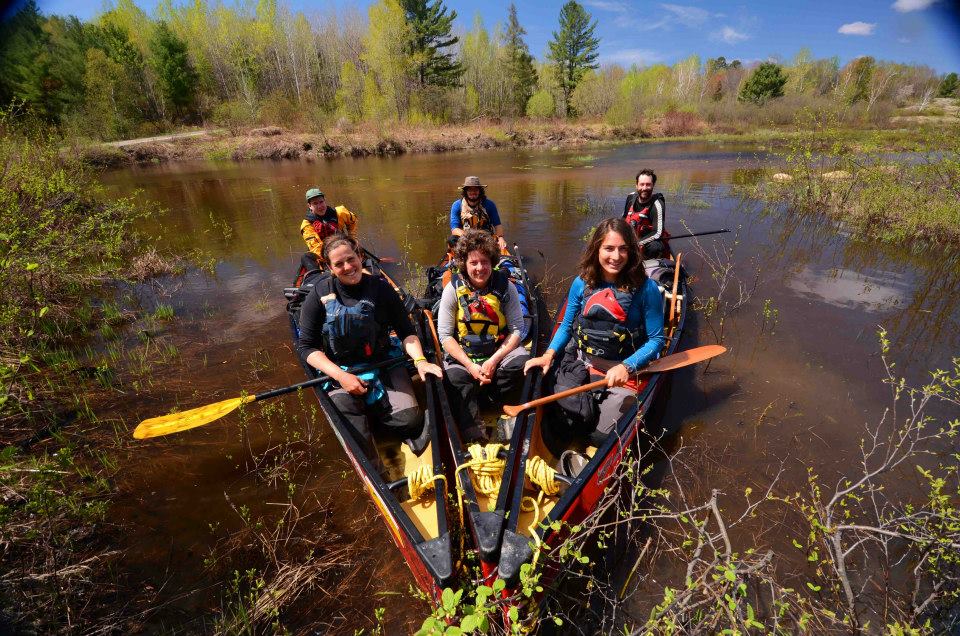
185 420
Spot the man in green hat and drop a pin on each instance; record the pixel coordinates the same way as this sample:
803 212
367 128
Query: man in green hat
322 220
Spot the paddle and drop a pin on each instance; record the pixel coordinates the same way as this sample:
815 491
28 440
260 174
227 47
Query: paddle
679 236
378 259
185 420
666 363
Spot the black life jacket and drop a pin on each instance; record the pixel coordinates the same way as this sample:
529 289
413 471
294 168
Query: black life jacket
602 325
642 217
481 320
351 335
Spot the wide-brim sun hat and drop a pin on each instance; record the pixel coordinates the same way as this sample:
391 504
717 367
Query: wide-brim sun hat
472 182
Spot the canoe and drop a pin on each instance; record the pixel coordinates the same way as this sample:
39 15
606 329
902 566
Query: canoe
418 525
485 498
572 502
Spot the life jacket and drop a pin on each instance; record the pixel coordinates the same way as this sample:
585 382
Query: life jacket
477 218
602 325
325 225
351 335
642 217
481 321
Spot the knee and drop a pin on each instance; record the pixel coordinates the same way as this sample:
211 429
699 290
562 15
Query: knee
409 418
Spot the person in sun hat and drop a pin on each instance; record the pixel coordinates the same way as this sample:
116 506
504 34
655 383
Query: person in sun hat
474 209
322 221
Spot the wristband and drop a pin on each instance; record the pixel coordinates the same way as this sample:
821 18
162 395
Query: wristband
417 361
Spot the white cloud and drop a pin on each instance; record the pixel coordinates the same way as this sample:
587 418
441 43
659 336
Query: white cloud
729 35
606 5
906 6
628 57
857 28
904 40
688 16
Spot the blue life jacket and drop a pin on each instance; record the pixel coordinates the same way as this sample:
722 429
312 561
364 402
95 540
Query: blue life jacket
351 335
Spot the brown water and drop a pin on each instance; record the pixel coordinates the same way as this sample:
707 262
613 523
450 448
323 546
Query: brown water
797 389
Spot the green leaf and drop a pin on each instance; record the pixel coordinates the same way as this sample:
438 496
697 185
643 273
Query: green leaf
815 588
513 614
470 623
499 585
32 266
448 599
43 311
730 574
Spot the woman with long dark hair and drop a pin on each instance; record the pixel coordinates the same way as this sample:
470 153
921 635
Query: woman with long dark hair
612 326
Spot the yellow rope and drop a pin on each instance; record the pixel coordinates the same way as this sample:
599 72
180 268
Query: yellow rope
542 474
422 480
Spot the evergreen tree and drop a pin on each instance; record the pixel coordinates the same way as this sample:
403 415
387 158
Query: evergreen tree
178 80
573 51
522 76
21 41
765 83
431 28
949 85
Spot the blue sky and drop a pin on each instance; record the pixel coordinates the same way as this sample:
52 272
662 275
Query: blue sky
911 31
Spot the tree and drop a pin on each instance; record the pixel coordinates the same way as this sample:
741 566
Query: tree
21 42
178 79
522 76
573 50
766 82
430 31
386 86
856 78
948 86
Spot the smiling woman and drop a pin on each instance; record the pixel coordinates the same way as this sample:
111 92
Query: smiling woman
616 315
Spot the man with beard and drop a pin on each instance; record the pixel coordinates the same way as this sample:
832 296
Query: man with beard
474 210
646 213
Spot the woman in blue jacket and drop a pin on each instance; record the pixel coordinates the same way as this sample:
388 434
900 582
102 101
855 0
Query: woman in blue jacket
612 326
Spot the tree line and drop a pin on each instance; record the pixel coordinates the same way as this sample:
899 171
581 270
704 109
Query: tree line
127 73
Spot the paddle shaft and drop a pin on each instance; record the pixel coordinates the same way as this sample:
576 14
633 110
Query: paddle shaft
688 235
666 363
324 378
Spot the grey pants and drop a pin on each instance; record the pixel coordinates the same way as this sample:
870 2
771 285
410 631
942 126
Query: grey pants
590 416
403 414
463 390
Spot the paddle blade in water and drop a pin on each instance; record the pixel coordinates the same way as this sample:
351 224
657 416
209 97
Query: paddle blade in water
185 420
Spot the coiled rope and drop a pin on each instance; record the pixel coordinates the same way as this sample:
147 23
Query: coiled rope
422 481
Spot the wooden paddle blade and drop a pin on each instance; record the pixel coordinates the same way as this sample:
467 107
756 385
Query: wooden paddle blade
185 420
684 358
513 410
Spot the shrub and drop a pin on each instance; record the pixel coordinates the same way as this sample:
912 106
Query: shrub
64 237
681 123
233 115
541 105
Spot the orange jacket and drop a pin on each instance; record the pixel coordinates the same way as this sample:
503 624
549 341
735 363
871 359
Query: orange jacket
314 230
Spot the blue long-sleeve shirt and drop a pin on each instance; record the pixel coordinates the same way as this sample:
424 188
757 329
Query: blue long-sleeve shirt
646 306
457 224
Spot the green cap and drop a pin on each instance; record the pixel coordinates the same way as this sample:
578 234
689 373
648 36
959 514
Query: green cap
312 193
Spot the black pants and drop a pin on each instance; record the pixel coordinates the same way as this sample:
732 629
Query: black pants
464 391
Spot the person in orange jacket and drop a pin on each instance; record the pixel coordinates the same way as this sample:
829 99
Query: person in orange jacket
322 221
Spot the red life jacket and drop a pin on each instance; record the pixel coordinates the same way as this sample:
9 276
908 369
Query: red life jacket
326 225
642 217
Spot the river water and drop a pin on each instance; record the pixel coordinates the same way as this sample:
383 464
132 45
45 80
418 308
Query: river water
798 307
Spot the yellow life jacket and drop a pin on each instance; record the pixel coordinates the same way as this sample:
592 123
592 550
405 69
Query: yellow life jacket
481 321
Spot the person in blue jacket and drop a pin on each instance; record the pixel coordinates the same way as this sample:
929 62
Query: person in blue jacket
612 326
474 209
